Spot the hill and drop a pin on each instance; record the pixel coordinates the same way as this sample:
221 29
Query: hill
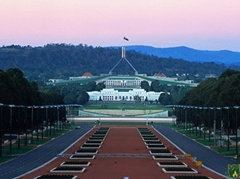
189 54
62 61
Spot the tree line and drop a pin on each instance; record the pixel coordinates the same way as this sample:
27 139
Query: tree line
223 91
173 94
62 61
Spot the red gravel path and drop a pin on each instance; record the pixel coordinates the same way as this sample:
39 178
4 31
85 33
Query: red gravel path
122 141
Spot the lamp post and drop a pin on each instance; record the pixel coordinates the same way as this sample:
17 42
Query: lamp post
57 118
185 118
19 126
228 126
221 122
236 120
46 120
209 124
42 127
204 122
195 120
1 105
37 117
200 117
214 125
10 145
31 107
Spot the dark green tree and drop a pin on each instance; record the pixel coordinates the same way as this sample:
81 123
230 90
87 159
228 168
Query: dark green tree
145 85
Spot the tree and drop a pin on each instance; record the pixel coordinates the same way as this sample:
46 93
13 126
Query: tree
165 99
216 92
100 86
82 98
155 86
145 85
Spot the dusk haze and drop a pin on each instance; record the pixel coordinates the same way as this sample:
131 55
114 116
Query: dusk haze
199 24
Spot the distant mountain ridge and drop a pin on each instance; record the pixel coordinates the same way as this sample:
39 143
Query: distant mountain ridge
221 57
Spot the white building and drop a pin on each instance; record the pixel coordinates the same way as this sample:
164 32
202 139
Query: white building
131 95
123 82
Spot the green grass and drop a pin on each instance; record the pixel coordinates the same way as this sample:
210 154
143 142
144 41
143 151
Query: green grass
200 139
128 106
6 155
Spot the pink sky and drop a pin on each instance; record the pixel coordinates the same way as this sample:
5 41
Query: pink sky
200 24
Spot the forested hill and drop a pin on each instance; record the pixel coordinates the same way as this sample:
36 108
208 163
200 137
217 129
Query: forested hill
62 61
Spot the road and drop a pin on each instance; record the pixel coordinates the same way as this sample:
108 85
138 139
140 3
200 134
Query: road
41 155
209 158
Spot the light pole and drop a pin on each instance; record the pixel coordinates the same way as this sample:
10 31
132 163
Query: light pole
204 122
19 125
236 120
46 121
37 117
31 107
57 118
42 127
221 122
1 105
209 124
10 145
185 117
214 125
228 126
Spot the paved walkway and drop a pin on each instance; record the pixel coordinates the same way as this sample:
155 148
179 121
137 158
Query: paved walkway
41 155
209 158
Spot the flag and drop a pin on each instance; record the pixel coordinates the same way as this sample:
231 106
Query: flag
124 38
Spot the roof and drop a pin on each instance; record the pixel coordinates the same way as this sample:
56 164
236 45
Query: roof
87 74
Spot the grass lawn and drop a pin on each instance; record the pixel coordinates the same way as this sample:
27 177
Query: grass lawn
200 139
6 155
122 105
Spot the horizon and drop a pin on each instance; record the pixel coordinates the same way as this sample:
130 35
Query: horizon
182 46
200 24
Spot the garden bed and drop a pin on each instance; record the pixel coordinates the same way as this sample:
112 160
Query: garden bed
90 142
96 138
150 139
171 164
160 152
190 177
99 135
90 146
179 170
56 177
87 151
101 132
164 157
68 169
76 163
156 146
82 157
153 143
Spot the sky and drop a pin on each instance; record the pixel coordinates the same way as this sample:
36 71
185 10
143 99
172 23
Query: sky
199 24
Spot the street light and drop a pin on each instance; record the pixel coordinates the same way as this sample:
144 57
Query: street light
204 122
19 130
209 123
31 107
236 107
42 127
10 145
46 120
228 126
1 130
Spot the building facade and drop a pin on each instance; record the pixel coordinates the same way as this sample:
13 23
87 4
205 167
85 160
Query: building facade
131 95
